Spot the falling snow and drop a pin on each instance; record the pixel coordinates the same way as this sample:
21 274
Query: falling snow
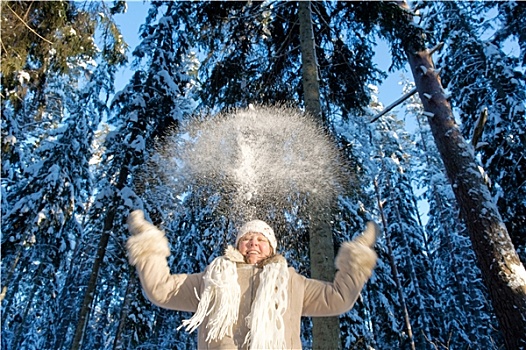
254 158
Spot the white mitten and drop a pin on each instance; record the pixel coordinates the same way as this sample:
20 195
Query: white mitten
137 224
358 254
146 239
369 236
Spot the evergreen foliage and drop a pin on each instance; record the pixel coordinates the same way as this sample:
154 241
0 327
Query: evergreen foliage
48 123
480 76
452 261
77 157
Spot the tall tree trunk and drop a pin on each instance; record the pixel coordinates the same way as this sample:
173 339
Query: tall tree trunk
92 284
503 272
310 78
101 252
326 330
394 269
69 300
117 341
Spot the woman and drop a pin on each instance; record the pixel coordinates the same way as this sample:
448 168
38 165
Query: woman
248 298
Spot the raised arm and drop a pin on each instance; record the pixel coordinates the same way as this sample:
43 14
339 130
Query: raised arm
355 262
147 250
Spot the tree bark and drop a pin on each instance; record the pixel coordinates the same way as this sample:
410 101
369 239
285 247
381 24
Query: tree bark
394 269
503 273
101 252
309 62
117 341
92 284
325 330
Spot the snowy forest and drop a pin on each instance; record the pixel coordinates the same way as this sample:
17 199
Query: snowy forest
442 169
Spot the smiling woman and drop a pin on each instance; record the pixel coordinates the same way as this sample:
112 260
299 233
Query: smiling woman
248 298
256 241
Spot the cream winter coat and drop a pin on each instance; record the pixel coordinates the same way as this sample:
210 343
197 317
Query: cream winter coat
148 250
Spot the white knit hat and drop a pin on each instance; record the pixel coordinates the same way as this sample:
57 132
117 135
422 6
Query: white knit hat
259 227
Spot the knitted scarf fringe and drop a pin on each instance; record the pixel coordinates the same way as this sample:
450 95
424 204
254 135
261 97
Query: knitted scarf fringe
265 321
219 300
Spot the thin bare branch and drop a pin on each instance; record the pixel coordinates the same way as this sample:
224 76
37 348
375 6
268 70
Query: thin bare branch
406 96
393 105
27 25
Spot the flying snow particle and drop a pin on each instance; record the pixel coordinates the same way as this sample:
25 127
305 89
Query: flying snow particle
256 159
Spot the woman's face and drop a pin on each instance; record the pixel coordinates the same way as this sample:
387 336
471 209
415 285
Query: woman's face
255 247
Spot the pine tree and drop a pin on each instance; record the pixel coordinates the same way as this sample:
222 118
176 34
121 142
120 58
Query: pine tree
487 79
325 331
489 236
154 101
48 186
373 321
403 229
462 298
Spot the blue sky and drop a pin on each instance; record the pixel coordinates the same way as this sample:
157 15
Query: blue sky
129 24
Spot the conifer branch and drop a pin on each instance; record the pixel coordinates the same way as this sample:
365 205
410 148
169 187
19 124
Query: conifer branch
479 127
393 105
409 94
27 25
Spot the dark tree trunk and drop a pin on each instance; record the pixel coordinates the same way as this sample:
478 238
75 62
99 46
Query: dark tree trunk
503 273
132 285
92 284
101 252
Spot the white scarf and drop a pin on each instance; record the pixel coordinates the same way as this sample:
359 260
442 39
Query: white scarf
221 296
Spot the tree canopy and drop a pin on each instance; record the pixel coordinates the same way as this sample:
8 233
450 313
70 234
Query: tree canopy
78 156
